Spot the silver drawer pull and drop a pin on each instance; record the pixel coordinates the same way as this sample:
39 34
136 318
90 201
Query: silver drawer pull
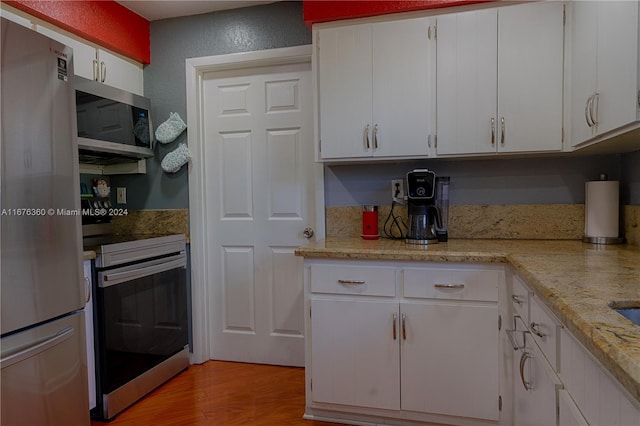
351 282
534 328
518 299
448 285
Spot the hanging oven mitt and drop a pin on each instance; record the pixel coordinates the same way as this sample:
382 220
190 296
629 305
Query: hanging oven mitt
173 161
170 129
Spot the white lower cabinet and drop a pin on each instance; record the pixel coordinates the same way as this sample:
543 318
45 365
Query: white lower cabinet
598 398
355 353
450 359
535 338
568 411
423 347
535 388
556 381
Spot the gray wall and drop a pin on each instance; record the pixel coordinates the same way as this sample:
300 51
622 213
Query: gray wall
174 40
545 180
482 181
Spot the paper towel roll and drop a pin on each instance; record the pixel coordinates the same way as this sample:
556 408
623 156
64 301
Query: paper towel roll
601 209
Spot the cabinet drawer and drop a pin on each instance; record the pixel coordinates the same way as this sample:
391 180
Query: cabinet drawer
545 331
520 298
342 279
453 284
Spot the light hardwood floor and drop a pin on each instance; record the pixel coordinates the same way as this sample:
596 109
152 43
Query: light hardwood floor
223 393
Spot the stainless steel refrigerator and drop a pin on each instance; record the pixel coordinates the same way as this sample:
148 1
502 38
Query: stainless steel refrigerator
43 355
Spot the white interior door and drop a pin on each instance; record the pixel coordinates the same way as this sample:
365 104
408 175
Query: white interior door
259 174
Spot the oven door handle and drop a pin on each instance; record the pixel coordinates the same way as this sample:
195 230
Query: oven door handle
114 277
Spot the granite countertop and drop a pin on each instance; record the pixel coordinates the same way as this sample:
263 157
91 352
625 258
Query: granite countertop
575 280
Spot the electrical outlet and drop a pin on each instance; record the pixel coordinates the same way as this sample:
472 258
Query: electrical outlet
397 190
121 195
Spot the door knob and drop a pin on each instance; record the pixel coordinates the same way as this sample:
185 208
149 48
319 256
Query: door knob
308 233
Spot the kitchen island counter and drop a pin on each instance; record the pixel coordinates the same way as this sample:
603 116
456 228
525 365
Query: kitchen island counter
575 280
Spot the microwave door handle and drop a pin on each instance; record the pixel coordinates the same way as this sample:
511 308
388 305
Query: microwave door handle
113 278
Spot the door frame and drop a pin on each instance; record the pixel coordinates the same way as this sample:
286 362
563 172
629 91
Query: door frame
195 68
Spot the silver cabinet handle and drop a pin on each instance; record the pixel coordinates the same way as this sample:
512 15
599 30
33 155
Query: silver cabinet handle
395 326
453 286
39 346
96 73
534 328
493 131
587 107
502 130
592 114
375 136
351 282
518 299
404 327
103 72
510 334
523 360
366 136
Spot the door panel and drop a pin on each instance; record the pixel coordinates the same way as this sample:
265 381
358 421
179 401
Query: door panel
355 353
467 82
259 145
450 359
530 74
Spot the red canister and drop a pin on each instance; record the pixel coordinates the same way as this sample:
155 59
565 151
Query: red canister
370 223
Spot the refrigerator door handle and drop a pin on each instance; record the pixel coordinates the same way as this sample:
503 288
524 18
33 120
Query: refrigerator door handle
34 348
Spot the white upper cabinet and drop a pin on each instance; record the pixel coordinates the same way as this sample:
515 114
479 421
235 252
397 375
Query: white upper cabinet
375 89
98 64
604 67
89 61
345 80
500 79
467 84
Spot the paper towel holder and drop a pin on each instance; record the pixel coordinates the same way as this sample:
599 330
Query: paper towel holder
599 239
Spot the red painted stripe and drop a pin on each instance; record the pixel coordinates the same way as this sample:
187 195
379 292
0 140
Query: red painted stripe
106 23
315 11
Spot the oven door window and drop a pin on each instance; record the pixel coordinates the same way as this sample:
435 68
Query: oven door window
143 320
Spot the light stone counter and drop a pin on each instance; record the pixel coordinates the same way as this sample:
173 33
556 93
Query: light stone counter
575 280
88 255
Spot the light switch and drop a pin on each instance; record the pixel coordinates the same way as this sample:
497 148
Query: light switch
121 195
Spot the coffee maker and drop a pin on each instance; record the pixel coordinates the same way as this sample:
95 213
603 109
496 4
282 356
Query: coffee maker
424 216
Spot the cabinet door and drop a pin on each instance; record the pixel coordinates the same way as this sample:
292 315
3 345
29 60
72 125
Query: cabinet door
344 91
84 55
403 75
355 356
568 412
617 64
467 66
120 72
450 359
530 77
535 388
584 42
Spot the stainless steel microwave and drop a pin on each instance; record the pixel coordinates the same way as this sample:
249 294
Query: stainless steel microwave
112 122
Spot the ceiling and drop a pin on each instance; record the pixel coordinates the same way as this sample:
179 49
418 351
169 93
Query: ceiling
153 10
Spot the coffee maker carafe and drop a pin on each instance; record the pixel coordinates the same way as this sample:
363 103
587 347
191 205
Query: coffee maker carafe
424 216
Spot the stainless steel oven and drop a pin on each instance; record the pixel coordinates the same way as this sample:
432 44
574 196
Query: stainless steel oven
141 319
